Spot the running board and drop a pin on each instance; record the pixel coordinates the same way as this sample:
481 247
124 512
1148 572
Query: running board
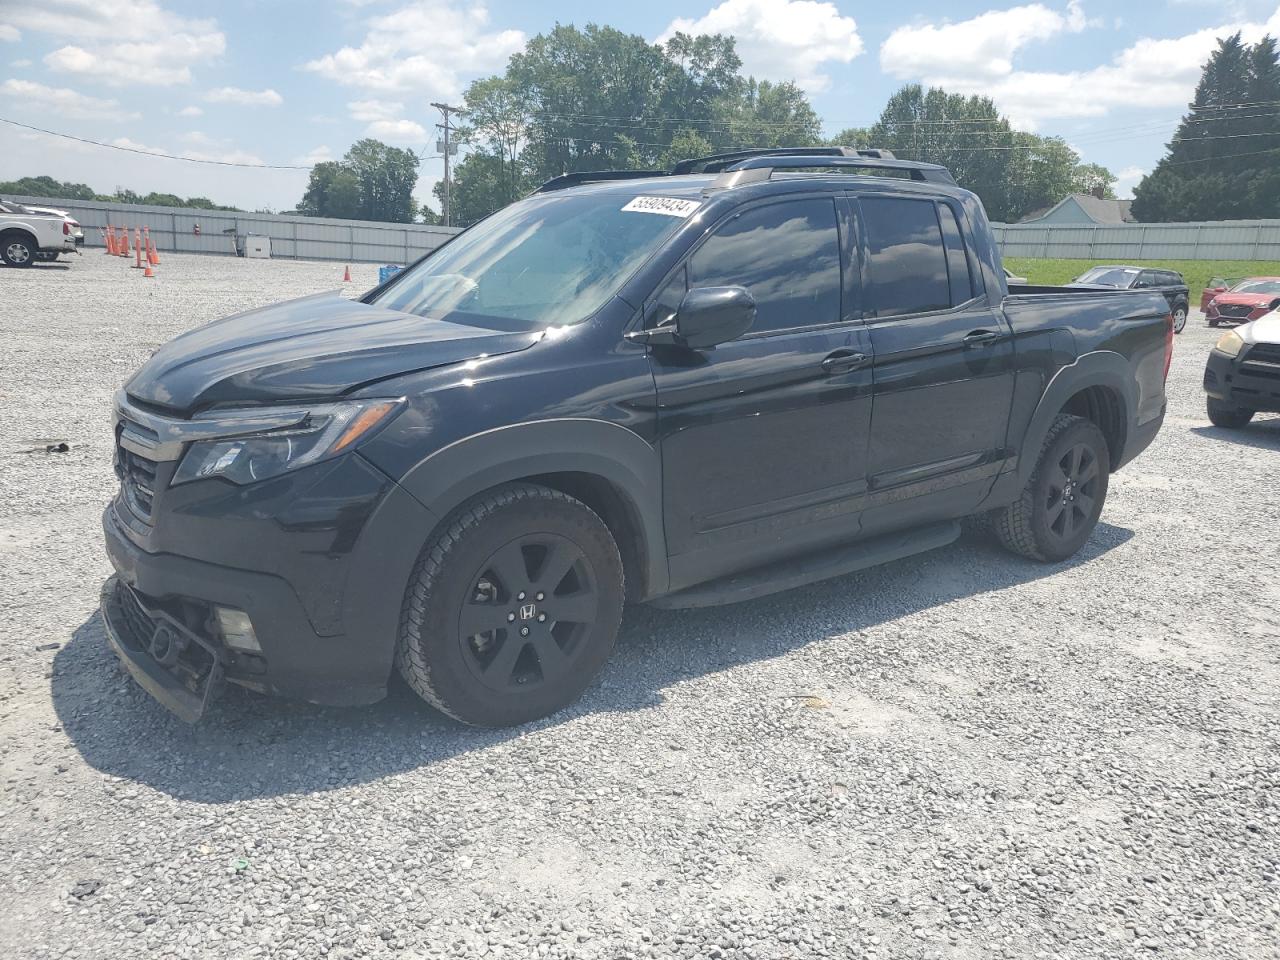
811 568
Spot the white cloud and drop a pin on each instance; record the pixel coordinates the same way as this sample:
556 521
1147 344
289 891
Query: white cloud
1151 73
780 39
191 111
982 47
457 41
10 33
244 98
397 131
367 111
218 154
19 64
120 42
320 154
1127 179
63 101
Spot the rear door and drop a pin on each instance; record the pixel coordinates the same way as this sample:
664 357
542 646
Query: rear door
944 364
764 438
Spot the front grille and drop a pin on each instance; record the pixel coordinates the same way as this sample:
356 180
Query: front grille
1266 352
137 623
137 481
1235 311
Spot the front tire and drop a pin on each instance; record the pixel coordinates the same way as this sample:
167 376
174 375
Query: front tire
1227 415
1063 500
18 250
513 608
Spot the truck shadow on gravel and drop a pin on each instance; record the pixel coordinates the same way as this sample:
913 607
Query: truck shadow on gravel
1263 434
251 746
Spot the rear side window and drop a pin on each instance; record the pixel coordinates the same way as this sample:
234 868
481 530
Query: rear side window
958 273
908 261
787 254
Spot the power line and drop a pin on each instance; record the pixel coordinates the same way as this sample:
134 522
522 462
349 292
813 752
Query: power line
1229 156
154 153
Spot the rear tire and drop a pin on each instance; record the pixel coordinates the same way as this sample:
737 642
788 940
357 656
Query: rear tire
1063 500
18 250
1227 415
1179 318
513 608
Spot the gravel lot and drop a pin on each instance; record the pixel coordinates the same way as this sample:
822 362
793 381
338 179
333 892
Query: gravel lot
958 755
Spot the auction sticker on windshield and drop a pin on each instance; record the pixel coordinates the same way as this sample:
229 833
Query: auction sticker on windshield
667 206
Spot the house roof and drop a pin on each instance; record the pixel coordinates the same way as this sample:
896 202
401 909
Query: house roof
1099 211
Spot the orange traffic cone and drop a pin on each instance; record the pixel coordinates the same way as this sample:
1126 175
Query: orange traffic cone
122 248
147 272
109 239
153 254
346 274
137 247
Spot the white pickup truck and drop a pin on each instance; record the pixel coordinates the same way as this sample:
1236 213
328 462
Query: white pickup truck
24 235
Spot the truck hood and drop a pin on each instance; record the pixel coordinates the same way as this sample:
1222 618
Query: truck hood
315 347
1263 330
1254 300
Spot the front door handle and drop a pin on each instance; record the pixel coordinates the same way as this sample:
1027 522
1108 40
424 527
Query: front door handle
981 338
844 360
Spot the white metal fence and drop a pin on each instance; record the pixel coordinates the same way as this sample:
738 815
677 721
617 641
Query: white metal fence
1219 240
292 237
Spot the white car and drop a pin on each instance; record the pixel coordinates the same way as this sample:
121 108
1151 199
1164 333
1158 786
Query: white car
76 230
25 235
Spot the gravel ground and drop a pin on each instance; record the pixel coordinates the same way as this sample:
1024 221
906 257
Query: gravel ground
958 755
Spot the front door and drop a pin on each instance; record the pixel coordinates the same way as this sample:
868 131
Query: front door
944 365
764 438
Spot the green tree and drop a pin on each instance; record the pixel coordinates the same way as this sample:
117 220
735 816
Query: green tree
371 182
1088 177
45 186
332 191
479 186
1222 162
1013 172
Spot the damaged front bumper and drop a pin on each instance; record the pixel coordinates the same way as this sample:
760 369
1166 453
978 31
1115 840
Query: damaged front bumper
180 669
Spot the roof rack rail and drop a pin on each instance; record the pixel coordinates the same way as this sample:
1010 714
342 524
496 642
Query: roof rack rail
719 162
566 180
759 168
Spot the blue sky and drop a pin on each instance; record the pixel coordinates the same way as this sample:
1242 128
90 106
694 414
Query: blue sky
291 82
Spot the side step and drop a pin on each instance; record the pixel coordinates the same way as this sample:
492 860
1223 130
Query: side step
811 568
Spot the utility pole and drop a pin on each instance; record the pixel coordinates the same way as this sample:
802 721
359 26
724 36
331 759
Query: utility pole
443 146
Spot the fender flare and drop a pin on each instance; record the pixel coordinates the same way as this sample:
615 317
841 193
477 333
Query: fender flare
1101 368
451 475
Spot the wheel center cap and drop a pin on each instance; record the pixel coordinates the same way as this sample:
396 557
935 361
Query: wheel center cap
528 611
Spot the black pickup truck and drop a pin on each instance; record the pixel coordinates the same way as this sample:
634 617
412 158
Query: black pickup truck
1170 283
751 372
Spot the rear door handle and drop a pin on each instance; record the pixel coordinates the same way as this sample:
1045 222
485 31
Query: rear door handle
844 360
980 338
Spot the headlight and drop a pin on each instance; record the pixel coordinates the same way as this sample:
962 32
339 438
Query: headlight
250 454
1230 343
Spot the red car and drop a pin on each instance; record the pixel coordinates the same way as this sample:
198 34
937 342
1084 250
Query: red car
1246 300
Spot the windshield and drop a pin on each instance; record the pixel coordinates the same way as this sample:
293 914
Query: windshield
547 260
1108 276
1257 286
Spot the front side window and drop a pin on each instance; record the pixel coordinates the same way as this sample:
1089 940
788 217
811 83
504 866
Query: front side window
786 254
908 262
545 261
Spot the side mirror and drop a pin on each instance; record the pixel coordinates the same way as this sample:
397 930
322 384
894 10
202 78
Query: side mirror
713 315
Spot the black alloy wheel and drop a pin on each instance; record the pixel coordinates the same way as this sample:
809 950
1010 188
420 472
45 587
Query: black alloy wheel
513 607
1072 494
1063 499
533 602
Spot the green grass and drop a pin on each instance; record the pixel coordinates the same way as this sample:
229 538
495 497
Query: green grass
1197 272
